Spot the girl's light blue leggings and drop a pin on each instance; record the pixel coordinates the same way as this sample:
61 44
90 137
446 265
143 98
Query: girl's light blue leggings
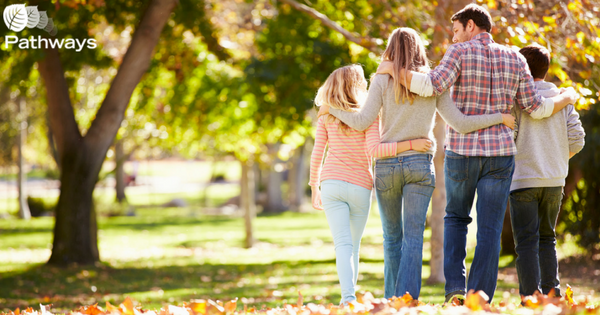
347 209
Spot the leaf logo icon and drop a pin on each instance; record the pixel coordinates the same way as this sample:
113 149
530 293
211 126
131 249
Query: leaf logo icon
15 17
43 19
33 16
49 26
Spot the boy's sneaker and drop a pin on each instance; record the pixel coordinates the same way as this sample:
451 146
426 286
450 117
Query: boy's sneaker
455 298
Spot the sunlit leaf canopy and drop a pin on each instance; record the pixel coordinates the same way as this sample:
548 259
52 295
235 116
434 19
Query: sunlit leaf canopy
231 75
235 75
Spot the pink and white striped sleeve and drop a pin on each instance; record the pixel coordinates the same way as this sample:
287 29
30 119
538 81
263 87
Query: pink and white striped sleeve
316 158
374 147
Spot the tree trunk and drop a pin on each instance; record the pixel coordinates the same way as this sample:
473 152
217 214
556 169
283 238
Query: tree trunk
274 202
438 207
81 158
247 201
75 230
51 143
274 195
507 240
211 180
24 212
298 178
119 171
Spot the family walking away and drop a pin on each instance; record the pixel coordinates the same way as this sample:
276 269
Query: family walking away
478 88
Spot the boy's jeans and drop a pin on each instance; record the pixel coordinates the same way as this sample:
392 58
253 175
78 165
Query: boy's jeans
347 209
533 214
491 178
404 186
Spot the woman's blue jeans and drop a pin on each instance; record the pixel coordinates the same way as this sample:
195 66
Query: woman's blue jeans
533 214
347 209
404 186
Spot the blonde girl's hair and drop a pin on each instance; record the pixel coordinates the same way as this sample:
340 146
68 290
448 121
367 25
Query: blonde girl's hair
342 90
406 50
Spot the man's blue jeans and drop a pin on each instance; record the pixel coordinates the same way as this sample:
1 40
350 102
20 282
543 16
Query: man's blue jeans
491 178
533 214
347 209
404 186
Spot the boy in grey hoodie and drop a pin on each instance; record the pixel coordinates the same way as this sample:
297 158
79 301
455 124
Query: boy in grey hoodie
541 166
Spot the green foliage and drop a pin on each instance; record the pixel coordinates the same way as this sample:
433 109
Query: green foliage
40 206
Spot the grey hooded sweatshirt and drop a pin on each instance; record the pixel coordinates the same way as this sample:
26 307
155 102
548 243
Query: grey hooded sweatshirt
543 145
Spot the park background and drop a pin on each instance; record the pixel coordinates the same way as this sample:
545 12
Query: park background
209 104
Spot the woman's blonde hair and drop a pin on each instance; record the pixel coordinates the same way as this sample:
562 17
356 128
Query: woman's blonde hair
406 50
342 90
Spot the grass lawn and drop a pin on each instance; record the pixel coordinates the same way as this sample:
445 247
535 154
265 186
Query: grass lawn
172 255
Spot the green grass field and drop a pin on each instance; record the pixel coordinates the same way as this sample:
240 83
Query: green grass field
172 255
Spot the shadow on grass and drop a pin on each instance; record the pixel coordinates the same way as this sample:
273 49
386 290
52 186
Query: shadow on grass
269 284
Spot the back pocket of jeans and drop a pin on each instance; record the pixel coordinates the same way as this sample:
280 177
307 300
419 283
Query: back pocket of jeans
501 167
524 195
384 178
421 173
456 167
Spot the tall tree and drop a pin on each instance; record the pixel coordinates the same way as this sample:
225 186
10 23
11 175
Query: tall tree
81 157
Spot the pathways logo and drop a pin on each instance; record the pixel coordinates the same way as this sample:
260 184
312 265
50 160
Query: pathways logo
18 16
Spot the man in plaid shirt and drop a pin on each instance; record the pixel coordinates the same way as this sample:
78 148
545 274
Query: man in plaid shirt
486 78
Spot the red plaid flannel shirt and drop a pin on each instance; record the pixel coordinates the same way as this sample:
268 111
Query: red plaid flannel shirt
488 78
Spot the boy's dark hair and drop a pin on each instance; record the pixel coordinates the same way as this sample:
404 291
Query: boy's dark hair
538 60
478 14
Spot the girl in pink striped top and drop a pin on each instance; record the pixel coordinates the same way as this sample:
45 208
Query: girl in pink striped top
346 178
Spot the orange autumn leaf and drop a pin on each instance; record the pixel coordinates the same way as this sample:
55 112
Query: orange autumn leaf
91 310
127 307
214 308
198 307
531 301
476 301
231 306
111 308
407 298
404 301
592 309
569 295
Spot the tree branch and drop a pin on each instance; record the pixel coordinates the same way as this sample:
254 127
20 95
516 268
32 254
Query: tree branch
193 13
135 63
366 42
61 115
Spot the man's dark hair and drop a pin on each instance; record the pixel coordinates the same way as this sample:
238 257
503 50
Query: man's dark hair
538 59
480 16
